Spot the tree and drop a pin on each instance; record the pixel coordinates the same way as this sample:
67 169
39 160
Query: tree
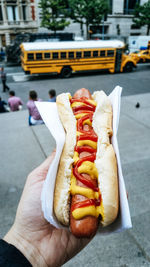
53 14
88 12
142 16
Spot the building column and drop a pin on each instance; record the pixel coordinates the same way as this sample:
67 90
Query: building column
7 38
0 41
118 6
3 11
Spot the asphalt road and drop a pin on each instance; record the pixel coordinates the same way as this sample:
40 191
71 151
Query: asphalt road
133 83
23 148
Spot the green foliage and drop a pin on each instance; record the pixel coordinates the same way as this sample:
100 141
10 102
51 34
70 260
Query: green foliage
53 14
142 15
88 11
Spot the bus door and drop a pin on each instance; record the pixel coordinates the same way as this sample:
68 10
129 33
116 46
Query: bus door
118 60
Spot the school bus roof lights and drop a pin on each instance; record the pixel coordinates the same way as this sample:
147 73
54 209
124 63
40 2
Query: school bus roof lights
72 45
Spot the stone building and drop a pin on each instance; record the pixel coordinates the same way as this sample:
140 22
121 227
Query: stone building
16 16
118 23
21 16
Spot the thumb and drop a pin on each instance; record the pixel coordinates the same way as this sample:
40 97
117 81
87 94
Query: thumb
45 165
41 170
47 162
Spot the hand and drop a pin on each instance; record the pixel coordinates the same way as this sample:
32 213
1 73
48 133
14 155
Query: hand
40 242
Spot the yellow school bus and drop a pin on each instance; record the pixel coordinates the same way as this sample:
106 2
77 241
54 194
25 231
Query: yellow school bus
65 58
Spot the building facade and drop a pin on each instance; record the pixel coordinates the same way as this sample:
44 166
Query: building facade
16 16
119 21
21 16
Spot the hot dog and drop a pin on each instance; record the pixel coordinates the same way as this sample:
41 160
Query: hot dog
86 189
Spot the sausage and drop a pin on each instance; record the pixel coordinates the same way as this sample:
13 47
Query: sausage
88 225
82 93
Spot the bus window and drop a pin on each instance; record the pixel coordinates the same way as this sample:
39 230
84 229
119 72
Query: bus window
95 53
78 54
30 56
63 55
102 53
38 56
71 54
47 55
87 53
110 53
55 55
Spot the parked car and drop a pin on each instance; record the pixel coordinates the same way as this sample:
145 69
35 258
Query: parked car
141 56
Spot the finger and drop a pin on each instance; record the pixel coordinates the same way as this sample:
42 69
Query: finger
42 169
45 165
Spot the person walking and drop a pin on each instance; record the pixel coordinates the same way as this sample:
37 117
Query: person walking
34 115
3 79
15 103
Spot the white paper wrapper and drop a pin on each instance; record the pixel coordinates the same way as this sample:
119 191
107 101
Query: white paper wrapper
50 116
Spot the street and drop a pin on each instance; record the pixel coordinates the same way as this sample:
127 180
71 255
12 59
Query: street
23 148
133 83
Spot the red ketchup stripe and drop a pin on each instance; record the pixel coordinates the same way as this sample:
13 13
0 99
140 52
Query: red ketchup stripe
87 137
83 100
88 182
86 203
84 107
91 158
89 108
81 120
83 111
89 149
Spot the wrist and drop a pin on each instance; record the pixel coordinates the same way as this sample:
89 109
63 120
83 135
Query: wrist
25 247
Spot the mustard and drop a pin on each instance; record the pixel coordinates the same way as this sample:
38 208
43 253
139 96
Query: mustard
87 122
80 115
82 212
91 143
100 211
86 167
84 191
76 156
77 104
78 133
91 101
79 213
89 168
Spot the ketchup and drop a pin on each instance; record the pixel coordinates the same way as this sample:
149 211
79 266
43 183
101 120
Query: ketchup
83 107
92 137
82 111
84 100
86 203
89 149
82 204
88 108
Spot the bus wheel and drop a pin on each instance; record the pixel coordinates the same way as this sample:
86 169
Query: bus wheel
128 67
66 72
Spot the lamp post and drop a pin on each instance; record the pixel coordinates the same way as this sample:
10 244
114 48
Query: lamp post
103 27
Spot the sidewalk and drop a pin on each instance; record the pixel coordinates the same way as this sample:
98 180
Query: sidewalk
23 148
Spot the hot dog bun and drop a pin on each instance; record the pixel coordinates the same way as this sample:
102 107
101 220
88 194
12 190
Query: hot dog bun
62 186
105 159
